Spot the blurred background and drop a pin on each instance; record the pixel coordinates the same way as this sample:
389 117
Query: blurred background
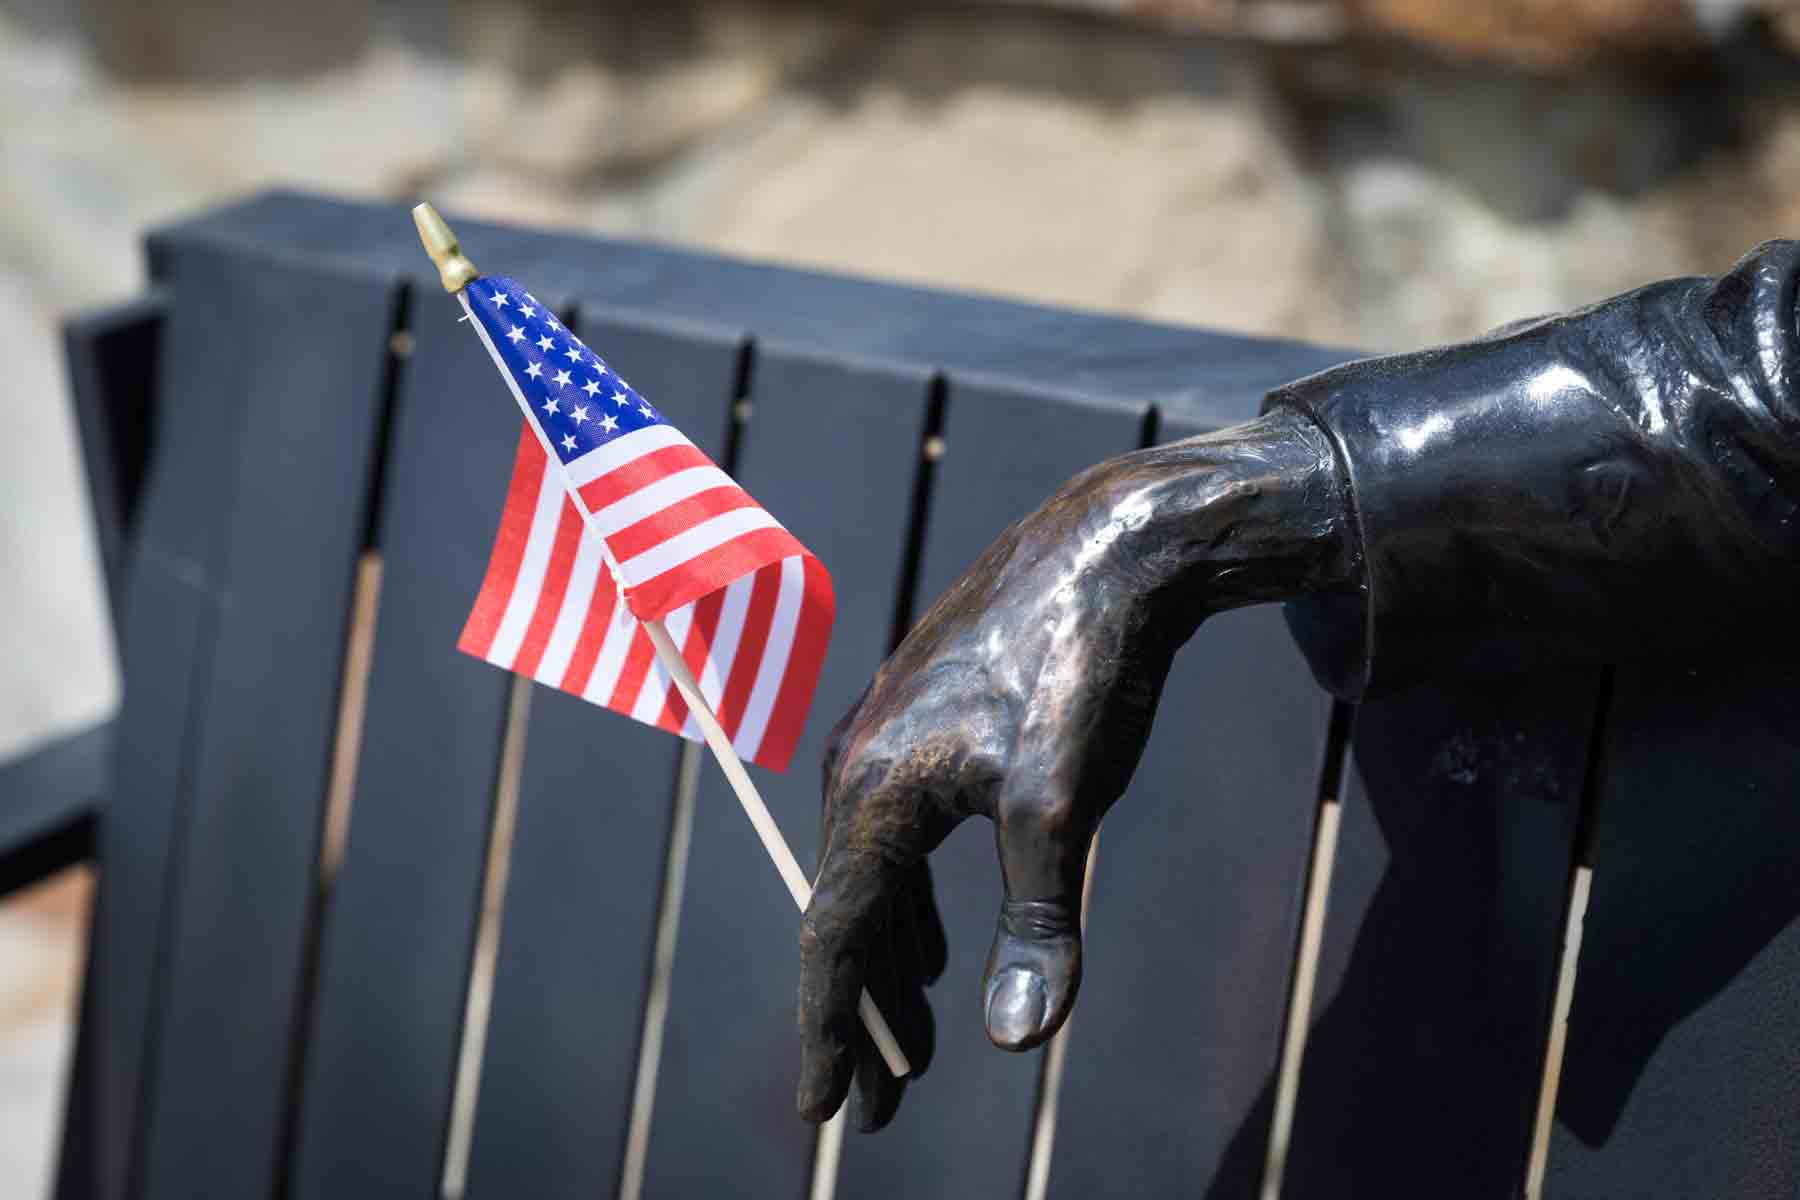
1375 173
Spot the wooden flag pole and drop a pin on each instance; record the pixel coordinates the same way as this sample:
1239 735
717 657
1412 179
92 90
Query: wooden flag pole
456 272
764 822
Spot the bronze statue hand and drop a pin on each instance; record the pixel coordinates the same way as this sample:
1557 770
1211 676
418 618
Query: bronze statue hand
1026 695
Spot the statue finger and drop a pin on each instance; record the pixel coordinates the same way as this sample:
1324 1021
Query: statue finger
930 944
847 911
1034 966
878 1089
915 970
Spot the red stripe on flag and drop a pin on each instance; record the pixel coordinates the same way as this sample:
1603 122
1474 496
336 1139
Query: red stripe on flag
718 567
677 518
631 674
550 595
759 615
593 634
693 652
811 635
509 546
621 481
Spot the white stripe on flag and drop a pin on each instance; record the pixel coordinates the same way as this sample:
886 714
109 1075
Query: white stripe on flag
717 668
693 542
655 691
612 455
620 631
775 657
530 581
652 499
577 599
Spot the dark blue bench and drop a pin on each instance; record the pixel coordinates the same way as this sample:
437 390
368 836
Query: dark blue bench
294 398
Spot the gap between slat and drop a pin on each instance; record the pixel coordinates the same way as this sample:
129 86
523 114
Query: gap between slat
1581 882
353 700
662 971
1306 970
1043 1121
828 1145
1580 887
346 750
480 991
1306 958
634 1158
912 555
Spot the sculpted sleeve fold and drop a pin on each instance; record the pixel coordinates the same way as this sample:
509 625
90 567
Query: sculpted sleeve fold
1616 482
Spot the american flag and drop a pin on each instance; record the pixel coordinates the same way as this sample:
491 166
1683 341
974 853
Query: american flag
601 483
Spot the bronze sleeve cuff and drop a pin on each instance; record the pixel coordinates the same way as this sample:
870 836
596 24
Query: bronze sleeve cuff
1613 483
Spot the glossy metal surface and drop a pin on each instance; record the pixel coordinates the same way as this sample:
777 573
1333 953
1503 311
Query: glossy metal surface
1613 483
1025 695
1605 484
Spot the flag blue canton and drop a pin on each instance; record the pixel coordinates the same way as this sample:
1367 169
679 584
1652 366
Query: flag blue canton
576 399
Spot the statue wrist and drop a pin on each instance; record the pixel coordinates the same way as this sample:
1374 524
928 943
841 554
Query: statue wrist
1252 514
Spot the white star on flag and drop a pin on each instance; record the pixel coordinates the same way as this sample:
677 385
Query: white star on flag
744 603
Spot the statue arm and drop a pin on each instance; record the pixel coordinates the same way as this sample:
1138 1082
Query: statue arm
1618 480
1612 483
1025 695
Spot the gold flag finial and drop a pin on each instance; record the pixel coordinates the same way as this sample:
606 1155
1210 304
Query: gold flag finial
454 267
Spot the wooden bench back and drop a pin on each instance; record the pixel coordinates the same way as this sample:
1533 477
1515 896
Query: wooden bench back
278 1006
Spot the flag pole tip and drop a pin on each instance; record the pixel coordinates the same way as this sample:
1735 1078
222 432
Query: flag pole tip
455 270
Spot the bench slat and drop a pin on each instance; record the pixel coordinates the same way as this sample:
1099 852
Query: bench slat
966 1128
400 927
1441 944
587 862
168 619
831 449
1202 371
268 688
1193 921
51 799
171 617
112 355
1682 1073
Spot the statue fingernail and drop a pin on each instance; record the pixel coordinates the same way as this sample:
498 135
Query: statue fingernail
1015 1007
